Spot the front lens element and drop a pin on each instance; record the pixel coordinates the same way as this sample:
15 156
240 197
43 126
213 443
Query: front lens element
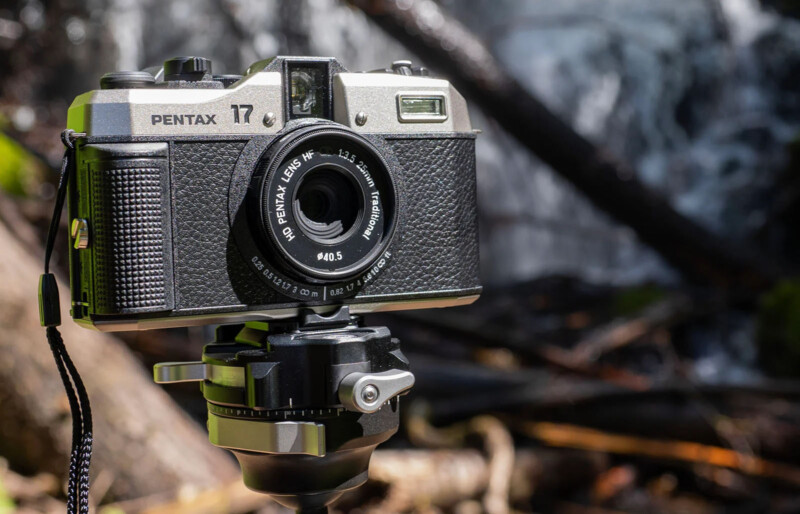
327 204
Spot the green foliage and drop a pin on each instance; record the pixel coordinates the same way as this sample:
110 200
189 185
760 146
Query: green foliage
19 170
110 510
6 502
632 300
792 170
778 329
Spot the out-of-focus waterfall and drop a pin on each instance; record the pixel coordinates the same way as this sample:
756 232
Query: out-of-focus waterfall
697 95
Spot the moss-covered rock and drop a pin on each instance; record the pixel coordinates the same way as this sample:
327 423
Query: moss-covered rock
778 329
630 301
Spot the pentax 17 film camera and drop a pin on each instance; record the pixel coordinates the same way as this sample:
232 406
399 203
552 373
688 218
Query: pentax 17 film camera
298 194
201 198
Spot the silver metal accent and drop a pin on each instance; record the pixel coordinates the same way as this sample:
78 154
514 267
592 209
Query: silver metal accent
130 112
402 63
376 94
361 118
287 437
79 230
369 394
74 136
269 119
228 376
186 319
356 389
174 372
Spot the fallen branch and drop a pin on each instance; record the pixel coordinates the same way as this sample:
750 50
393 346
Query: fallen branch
621 333
498 444
473 331
571 436
143 442
232 498
444 478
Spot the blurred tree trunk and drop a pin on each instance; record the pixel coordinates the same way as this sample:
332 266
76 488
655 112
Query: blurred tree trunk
144 443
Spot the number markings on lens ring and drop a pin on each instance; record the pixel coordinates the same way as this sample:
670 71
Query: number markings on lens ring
326 292
329 256
362 167
285 285
347 288
374 196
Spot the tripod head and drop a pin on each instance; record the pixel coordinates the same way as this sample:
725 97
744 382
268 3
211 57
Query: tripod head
301 403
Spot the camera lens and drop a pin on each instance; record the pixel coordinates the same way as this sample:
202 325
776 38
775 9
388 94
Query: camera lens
327 204
323 201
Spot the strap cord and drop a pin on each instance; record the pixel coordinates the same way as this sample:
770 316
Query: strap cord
50 317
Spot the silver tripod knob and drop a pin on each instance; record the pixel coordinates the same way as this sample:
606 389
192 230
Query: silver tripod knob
367 392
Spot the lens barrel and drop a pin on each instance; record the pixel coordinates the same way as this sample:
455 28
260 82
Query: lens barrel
323 201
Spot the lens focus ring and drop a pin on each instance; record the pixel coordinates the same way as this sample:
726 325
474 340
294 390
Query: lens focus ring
326 204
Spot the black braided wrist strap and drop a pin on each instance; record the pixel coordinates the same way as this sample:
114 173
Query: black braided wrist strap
50 317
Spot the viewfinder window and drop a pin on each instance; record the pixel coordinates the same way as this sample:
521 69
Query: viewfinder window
307 90
419 108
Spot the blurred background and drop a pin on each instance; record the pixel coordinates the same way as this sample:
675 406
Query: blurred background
637 347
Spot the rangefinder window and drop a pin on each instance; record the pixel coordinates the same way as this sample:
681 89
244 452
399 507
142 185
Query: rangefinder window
418 108
308 88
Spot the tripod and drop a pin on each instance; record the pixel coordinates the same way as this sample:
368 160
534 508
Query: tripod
300 403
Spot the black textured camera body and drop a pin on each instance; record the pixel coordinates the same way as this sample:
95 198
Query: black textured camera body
163 252
199 198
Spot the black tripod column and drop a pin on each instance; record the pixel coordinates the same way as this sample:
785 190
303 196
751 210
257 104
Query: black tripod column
301 404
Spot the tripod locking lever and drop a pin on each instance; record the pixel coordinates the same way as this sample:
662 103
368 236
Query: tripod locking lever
367 392
173 372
